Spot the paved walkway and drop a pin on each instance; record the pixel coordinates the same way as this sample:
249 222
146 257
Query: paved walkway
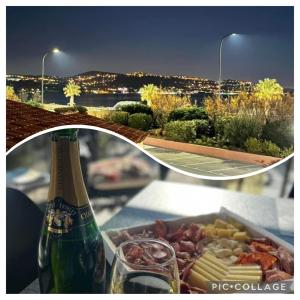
201 165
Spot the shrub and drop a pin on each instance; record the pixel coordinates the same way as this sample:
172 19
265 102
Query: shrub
212 142
271 149
220 124
279 132
136 108
63 110
120 117
266 102
119 104
34 103
188 113
239 129
164 104
204 128
82 109
254 145
215 107
286 152
140 121
67 109
187 131
160 119
182 131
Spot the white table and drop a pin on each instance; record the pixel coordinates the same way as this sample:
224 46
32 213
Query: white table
170 200
167 200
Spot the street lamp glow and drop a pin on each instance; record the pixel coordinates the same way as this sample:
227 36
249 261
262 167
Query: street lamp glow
54 50
220 58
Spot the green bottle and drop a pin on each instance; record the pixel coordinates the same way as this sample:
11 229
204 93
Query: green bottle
71 253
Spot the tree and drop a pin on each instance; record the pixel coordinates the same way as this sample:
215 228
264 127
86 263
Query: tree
36 96
149 93
215 107
10 94
269 95
161 102
23 95
165 103
268 90
71 90
266 103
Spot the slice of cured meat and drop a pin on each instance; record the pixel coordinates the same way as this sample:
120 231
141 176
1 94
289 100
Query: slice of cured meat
276 275
264 259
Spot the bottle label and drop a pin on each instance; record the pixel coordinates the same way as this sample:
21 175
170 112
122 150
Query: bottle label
62 217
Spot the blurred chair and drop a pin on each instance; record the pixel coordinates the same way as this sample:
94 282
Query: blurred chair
23 225
163 172
288 168
291 193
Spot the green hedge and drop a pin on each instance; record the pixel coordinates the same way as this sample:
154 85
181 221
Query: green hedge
220 124
120 117
279 132
181 131
66 109
205 128
140 121
218 142
188 113
286 152
63 110
82 109
239 129
186 131
254 145
136 108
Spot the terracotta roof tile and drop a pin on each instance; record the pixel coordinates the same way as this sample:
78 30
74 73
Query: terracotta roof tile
23 120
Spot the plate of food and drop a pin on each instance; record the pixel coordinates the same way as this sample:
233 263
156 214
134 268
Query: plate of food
218 252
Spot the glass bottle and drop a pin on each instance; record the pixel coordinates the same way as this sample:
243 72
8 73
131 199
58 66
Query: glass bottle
71 252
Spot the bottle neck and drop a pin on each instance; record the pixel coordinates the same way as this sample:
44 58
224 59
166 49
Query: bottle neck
66 175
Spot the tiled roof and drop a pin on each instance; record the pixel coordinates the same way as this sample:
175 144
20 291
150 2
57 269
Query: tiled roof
23 120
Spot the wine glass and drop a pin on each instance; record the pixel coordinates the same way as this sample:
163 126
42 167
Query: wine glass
145 266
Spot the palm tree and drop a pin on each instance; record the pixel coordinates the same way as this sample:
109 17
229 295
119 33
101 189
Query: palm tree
10 94
149 92
268 94
268 90
71 90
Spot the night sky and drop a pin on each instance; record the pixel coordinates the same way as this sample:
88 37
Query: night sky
159 40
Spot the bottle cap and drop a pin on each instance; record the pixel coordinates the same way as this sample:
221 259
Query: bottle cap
69 133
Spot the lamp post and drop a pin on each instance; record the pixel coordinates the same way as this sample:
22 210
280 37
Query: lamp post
220 59
55 50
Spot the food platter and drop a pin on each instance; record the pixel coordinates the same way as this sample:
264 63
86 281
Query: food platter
218 247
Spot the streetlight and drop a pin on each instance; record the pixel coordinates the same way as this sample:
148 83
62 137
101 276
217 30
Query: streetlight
54 50
220 59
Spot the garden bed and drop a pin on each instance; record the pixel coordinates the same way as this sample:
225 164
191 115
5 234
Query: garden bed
262 160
